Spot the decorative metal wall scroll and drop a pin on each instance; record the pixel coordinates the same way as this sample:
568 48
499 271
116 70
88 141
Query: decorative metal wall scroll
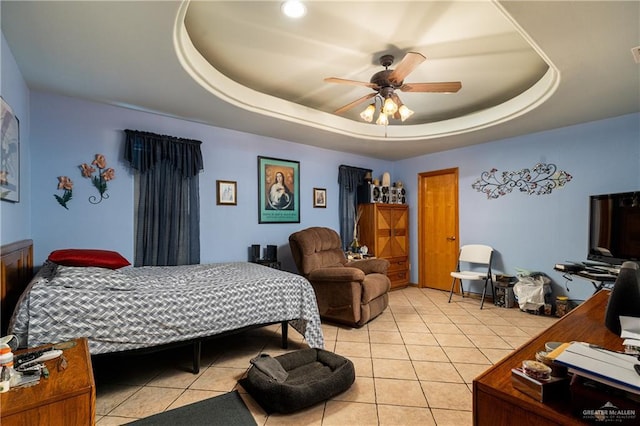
542 179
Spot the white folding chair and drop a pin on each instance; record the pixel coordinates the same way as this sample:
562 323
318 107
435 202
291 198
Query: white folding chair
479 257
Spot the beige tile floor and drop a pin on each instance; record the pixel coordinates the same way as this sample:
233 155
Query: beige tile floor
415 365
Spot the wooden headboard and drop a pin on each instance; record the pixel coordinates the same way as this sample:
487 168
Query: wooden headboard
16 270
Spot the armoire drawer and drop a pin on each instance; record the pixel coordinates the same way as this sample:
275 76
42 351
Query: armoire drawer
400 263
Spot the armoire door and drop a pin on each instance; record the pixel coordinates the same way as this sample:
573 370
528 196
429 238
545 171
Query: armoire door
392 234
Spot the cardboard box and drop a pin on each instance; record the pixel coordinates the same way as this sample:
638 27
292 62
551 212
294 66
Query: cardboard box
504 297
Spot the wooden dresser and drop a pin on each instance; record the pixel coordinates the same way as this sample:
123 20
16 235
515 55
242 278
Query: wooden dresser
67 397
496 402
384 229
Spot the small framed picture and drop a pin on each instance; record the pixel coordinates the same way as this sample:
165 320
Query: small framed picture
226 193
319 197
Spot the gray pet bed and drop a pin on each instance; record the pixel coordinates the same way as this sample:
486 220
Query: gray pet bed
297 380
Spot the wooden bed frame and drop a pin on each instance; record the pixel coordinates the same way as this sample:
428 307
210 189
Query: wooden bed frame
16 270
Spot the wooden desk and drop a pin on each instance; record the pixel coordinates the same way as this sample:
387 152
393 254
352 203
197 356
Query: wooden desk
67 397
496 402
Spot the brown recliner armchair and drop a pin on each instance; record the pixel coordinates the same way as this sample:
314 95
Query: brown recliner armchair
351 293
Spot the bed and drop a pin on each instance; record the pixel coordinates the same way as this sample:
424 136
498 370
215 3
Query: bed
133 308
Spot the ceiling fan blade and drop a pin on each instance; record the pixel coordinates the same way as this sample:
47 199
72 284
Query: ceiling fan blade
410 61
443 87
352 82
354 103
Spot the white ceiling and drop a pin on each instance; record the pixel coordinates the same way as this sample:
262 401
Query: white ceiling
525 66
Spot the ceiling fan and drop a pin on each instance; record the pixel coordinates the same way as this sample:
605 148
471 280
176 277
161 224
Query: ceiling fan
385 84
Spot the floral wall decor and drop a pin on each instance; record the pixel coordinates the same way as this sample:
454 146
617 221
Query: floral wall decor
542 179
99 178
66 185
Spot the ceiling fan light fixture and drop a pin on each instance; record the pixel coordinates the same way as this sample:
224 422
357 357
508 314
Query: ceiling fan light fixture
389 107
367 113
382 120
294 9
404 112
386 83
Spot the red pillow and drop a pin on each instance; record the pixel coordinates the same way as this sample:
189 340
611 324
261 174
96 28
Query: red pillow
85 257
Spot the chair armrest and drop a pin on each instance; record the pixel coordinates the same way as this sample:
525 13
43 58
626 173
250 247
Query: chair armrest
370 266
340 273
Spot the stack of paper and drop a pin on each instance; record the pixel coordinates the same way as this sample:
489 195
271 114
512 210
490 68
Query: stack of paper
599 364
630 332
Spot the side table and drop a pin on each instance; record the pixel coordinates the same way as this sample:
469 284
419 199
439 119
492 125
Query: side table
66 397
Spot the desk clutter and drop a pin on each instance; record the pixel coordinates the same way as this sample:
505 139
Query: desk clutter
602 384
381 191
370 193
25 368
601 275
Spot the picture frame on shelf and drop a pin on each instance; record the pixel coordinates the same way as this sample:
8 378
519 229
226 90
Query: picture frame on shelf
320 198
9 154
227 193
278 190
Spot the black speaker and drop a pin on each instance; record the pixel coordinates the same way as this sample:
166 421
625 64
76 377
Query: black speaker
369 193
393 197
625 297
255 252
386 194
398 196
272 253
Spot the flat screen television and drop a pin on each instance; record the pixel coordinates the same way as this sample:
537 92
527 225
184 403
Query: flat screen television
614 228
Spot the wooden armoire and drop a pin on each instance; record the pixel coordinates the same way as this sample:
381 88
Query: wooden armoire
384 229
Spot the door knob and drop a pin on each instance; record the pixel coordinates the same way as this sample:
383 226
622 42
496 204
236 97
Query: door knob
451 238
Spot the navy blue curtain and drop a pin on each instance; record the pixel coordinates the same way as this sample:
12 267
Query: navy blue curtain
349 178
168 205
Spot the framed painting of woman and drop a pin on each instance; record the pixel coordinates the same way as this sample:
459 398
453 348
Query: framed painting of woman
278 190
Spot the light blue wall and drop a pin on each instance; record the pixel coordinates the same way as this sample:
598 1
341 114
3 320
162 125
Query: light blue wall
68 132
536 231
15 217
532 232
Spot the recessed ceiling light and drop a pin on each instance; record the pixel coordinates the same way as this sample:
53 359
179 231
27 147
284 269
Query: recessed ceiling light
294 9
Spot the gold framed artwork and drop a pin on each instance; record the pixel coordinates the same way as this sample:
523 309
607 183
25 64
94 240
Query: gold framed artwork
9 154
227 193
319 197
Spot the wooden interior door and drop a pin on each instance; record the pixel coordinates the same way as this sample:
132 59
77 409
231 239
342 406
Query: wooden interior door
437 227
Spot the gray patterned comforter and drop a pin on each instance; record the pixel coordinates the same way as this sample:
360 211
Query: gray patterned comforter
132 308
